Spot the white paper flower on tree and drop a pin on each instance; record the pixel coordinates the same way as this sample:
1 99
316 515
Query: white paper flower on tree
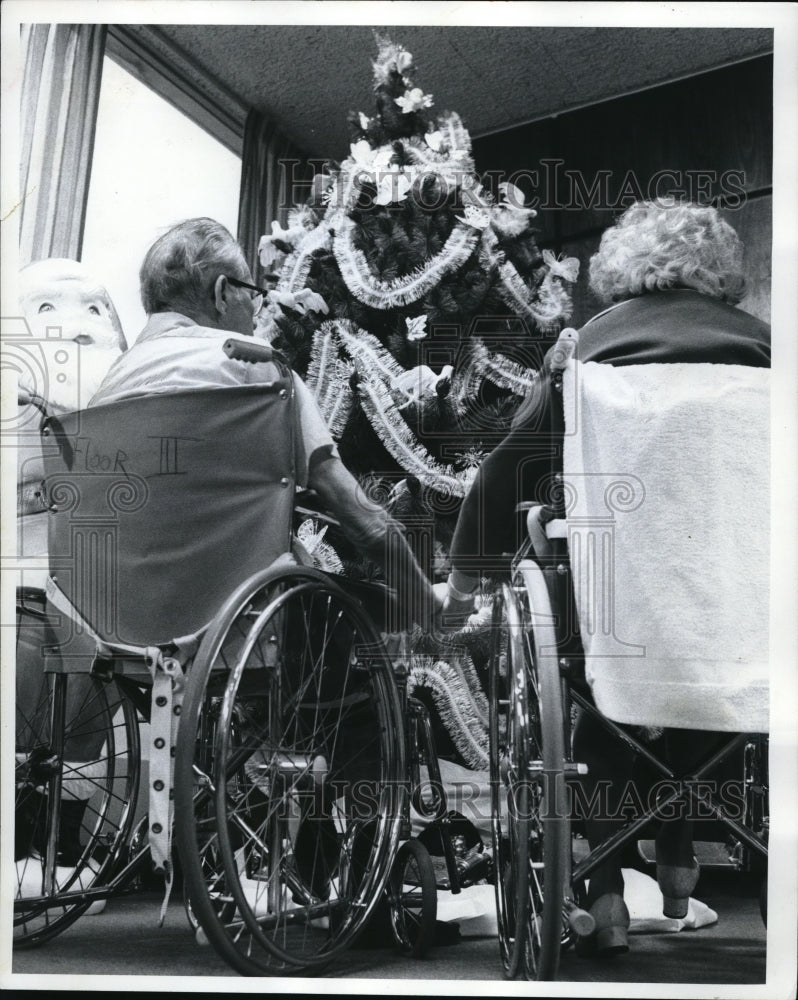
434 140
392 58
414 100
370 159
290 235
303 301
566 268
415 384
269 255
510 217
392 187
475 217
416 327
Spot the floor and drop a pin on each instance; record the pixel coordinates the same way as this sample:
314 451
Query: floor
125 941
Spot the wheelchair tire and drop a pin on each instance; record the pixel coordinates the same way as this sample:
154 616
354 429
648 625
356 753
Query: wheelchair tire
73 820
291 721
551 840
509 809
413 899
534 862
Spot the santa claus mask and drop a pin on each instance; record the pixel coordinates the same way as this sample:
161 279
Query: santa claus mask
74 326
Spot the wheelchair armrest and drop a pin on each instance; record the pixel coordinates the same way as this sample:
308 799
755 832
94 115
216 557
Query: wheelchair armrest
308 504
537 519
378 599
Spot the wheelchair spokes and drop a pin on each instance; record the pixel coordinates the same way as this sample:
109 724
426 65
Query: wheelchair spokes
300 814
528 788
509 810
73 818
412 899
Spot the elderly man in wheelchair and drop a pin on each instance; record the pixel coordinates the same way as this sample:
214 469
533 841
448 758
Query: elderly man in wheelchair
638 601
275 731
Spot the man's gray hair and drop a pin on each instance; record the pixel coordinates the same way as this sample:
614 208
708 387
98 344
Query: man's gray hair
182 264
667 244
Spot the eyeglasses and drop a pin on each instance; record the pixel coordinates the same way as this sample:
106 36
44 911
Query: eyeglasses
258 296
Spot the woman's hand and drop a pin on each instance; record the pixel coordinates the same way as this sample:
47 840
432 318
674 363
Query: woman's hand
451 611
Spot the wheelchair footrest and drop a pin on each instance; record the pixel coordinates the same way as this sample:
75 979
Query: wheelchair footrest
579 920
709 854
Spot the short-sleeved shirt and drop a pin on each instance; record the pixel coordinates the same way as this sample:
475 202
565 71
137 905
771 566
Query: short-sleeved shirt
173 353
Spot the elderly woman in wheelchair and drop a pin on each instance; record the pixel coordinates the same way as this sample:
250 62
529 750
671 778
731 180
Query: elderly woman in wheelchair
276 730
637 575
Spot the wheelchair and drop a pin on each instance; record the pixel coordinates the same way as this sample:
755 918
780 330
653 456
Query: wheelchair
284 751
538 682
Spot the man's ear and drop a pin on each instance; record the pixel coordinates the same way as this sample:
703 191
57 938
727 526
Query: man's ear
221 290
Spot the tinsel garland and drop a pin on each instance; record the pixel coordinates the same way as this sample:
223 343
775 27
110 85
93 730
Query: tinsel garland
345 188
327 378
373 291
371 356
460 702
401 444
295 270
454 165
500 370
457 137
321 552
378 371
442 149
547 307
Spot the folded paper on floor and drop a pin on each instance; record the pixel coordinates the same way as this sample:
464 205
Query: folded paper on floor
644 900
474 909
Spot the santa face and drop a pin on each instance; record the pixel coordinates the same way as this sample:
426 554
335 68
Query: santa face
75 326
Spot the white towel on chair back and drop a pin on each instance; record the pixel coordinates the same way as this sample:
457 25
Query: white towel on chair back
667 481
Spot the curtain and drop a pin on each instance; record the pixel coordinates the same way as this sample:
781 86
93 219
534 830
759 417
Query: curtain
60 93
275 175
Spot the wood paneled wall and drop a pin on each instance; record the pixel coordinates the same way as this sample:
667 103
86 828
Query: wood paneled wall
706 137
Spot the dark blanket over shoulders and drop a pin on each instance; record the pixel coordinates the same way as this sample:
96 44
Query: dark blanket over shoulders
669 327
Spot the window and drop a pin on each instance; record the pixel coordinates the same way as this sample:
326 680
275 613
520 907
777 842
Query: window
152 167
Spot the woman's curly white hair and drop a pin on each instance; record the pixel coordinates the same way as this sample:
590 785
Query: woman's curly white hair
668 244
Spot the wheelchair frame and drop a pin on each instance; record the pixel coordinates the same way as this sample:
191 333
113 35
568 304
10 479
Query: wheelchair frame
400 869
534 681
304 920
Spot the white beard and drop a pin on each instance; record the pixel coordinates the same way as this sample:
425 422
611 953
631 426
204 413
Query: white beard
72 374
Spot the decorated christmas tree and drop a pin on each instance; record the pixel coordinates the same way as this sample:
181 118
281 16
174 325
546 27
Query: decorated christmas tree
418 306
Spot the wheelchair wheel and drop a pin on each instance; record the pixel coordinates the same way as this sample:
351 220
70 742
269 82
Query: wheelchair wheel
532 855
288 774
72 819
509 808
413 899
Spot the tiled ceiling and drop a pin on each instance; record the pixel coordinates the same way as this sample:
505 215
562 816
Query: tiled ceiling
306 77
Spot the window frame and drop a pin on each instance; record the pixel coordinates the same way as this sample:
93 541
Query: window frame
147 54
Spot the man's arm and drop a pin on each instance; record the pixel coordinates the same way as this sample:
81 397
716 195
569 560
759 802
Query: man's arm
379 537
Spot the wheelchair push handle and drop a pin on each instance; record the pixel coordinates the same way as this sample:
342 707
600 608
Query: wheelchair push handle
26 397
250 350
563 350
